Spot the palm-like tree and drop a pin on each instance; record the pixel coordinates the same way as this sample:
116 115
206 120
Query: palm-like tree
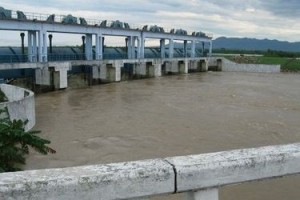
15 143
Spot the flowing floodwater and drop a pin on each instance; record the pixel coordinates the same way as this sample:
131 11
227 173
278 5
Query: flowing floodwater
173 116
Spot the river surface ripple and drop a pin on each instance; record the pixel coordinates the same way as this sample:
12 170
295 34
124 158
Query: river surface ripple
173 116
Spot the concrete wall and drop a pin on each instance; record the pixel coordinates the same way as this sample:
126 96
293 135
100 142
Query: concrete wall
193 174
229 66
21 104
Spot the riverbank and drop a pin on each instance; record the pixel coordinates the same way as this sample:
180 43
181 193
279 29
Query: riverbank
287 64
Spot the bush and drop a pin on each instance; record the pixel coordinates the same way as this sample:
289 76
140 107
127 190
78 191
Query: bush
15 143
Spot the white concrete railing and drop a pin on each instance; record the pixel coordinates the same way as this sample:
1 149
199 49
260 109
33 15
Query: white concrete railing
199 176
21 104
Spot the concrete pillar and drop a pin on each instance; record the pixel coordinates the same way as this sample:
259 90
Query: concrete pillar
185 48
204 65
198 65
172 67
131 47
103 72
45 47
89 47
117 65
210 194
134 52
138 48
140 69
96 72
162 48
42 76
62 81
30 48
210 49
171 48
99 46
157 69
128 45
34 46
57 77
142 47
186 66
193 49
33 56
219 64
42 50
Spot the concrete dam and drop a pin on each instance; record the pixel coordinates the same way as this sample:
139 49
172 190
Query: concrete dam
49 66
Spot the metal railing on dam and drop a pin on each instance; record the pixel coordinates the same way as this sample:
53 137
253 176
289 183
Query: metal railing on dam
198 176
113 54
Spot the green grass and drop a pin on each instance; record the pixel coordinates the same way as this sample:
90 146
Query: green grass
287 64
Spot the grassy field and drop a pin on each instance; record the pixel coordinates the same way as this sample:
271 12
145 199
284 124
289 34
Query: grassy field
287 64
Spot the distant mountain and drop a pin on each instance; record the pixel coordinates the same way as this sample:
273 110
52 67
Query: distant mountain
255 44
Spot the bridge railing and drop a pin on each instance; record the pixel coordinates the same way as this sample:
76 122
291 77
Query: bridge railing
21 58
199 176
13 58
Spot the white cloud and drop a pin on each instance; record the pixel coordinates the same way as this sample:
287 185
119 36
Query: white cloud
251 18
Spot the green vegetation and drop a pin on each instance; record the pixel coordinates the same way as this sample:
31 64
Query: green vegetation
289 61
3 98
268 53
236 51
287 64
15 143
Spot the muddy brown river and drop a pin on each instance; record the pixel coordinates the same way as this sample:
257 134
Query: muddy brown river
173 116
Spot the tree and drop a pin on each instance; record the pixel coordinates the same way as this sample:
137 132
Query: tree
15 143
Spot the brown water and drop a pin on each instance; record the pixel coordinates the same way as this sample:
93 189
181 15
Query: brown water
172 116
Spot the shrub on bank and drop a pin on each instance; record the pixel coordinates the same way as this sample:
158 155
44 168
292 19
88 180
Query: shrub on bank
15 143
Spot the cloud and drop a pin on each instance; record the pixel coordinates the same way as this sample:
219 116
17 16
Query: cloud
275 19
283 8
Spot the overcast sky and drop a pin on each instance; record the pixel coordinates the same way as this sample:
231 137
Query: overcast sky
272 19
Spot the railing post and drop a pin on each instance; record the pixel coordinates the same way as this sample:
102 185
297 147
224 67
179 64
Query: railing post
171 48
193 49
210 194
162 48
210 49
